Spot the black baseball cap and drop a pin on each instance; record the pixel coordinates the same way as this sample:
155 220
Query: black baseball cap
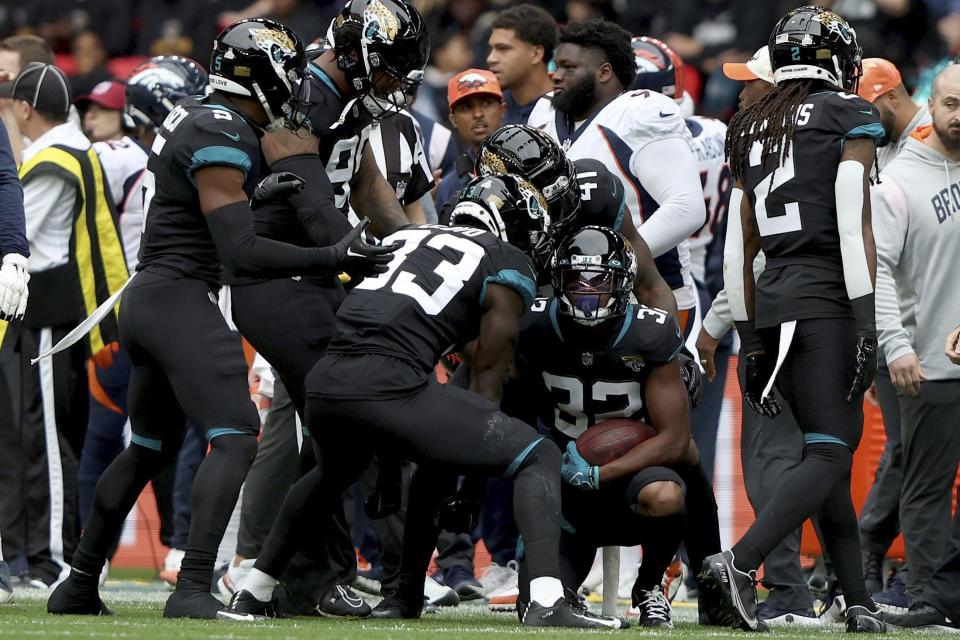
44 86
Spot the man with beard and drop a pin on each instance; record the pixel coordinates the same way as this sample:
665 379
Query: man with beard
639 135
914 204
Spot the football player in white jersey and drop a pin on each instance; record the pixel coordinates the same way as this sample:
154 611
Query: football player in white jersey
640 135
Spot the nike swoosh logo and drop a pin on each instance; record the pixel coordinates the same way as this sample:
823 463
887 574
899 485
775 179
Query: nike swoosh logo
664 115
233 136
869 113
353 254
354 601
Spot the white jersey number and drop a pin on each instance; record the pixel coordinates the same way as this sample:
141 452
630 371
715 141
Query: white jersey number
571 417
454 274
773 225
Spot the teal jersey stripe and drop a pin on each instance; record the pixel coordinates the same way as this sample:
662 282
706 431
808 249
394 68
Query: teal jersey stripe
217 155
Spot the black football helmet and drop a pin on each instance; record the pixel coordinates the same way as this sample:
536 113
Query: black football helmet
593 272
154 87
816 43
264 60
531 153
387 37
659 68
507 206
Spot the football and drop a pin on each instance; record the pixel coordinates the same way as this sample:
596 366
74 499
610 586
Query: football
611 439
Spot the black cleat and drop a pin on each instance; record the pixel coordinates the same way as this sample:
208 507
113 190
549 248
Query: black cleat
926 617
192 603
859 619
395 608
737 592
245 607
72 597
654 609
563 613
343 602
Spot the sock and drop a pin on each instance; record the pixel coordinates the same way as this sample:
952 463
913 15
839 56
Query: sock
545 591
536 506
196 569
658 552
260 585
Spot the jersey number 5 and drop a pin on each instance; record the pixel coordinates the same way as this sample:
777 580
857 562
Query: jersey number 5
454 274
764 192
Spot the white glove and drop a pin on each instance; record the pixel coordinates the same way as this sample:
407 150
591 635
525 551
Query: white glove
13 287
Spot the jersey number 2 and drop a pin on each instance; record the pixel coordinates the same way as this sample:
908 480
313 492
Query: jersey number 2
454 274
771 225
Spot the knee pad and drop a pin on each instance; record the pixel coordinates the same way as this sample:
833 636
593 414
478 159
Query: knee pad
540 452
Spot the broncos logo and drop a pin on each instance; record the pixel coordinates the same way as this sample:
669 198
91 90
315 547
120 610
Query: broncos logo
471 81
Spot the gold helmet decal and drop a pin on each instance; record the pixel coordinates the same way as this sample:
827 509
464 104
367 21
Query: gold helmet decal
379 23
491 162
275 42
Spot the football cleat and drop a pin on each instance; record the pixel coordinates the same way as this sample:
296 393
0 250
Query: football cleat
192 603
244 606
565 614
395 608
782 618
860 619
343 602
76 598
6 587
737 590
926 617
652 608
439 595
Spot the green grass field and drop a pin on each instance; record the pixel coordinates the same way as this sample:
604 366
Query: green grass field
138 607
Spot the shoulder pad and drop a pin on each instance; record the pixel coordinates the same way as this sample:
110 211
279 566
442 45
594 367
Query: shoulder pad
646 116
543 112
854 117
655 333
218 136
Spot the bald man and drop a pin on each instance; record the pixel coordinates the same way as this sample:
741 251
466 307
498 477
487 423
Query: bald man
882 86
915 207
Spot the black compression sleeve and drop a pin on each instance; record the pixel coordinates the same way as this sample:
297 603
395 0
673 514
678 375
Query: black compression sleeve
749 338
865 313
314 205
244 253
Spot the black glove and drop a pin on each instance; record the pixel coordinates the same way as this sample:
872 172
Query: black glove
866 354
358 258
757 371
866 358
692 378
277 187
459 514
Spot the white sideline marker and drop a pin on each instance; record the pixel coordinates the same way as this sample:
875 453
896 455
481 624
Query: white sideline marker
611 580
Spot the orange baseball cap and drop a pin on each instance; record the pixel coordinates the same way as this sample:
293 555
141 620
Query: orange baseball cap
756 68
879 76
472 82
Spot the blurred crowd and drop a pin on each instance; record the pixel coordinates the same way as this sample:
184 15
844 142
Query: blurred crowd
97 39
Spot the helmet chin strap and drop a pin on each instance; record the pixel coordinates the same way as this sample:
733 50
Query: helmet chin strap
273 123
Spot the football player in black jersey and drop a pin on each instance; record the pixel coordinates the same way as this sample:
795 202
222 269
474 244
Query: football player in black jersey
801 158
601 357
203 166
446 286
305 202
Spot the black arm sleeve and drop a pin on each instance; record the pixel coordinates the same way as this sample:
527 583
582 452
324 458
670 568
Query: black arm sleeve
314 205
244 253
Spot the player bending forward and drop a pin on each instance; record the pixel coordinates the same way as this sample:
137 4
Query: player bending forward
445 287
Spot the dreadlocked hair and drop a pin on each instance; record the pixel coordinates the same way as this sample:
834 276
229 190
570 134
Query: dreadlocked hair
771 121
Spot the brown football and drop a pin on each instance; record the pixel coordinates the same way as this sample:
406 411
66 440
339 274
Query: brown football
611 439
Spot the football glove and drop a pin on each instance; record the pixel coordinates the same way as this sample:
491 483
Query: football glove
866 359
692 378
757 371
358 258
577 471
459 514
13 286
277 187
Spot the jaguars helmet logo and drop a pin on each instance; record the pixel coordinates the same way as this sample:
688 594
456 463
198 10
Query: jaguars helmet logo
836 25
379 23
534 201
491 163
278 44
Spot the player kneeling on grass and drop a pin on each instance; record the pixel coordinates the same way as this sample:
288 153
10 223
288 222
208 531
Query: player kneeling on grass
600 358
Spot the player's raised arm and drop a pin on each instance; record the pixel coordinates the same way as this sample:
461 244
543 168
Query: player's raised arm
230 219
497 342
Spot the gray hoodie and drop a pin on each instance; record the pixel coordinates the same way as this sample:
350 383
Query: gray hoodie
915 222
